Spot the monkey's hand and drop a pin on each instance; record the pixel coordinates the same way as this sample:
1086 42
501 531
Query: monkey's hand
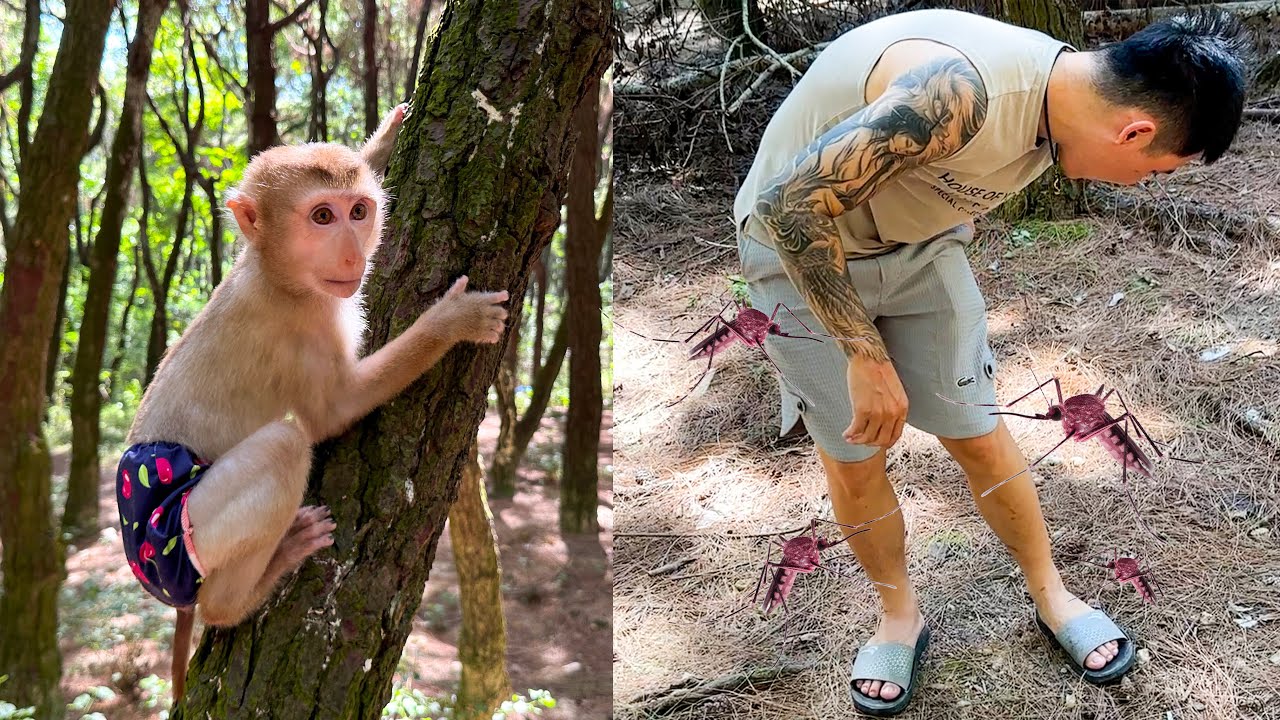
377 149
462 316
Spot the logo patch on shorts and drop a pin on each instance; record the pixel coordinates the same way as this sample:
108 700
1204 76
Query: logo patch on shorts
966 380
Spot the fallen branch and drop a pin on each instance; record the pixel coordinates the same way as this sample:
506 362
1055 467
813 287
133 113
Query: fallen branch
1119 24
694 691
746 26
694 79
1262 114
1184 214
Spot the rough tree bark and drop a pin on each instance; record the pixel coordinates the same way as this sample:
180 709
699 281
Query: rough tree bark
35 251
370 36
482 639
80 517
583 240
478 192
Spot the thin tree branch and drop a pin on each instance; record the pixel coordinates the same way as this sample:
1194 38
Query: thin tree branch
287 20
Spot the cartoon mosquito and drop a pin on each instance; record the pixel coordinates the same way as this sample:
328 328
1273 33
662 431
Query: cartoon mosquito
800 554
1128 571
749 326
1084 417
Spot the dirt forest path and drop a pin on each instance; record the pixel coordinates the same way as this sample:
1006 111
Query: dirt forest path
556 592
1184 320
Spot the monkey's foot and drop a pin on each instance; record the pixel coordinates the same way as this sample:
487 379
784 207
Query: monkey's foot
311 531
1058 608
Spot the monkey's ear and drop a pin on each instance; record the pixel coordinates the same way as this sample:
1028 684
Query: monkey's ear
245 212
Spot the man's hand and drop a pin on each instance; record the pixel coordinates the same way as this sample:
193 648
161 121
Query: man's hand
879 403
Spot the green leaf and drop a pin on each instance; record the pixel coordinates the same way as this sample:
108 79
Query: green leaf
142 476
173 541
135 526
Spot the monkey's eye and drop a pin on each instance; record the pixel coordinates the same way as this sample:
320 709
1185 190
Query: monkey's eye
359 212
322 216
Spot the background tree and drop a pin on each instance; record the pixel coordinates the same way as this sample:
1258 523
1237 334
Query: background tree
482 641
585 239
80 520
34 253
500 208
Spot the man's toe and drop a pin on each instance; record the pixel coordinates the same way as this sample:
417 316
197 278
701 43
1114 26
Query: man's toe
875 689
889 691
1095 661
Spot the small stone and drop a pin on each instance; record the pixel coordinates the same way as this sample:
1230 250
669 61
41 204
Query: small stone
1126 684
1259 533
1144 656
1077 460
1115 299
1214 354
1206 618
1069 701
993 267
571 668
1275 659
1240 663
963 703
109 535
1198 707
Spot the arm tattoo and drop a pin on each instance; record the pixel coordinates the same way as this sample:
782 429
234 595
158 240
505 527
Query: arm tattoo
928 114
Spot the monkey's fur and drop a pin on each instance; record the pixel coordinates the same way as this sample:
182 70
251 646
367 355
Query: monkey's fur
270 367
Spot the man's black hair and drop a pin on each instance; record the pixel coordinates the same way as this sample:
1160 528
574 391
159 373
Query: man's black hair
1188 72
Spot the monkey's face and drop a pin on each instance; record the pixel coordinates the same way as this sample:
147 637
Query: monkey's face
334 234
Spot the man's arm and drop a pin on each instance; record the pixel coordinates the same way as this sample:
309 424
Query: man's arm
925 115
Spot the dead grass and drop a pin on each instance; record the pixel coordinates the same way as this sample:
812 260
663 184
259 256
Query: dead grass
694 476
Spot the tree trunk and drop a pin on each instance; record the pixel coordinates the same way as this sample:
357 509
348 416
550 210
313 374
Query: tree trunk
504 485
544 381
158 339
540 316
259 48
1053 196
420 34
80 517
26 102
583 240
215 231
474 195
35 251
726 17
482 639
370 34
55 337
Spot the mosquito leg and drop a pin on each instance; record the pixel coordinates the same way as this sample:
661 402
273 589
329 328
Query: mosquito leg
710 356
1128 493
1037 462
784 379
633 332
855 527
1154 445
1015 402
1089 435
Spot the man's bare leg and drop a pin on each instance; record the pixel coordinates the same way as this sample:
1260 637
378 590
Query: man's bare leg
1013 512
861 492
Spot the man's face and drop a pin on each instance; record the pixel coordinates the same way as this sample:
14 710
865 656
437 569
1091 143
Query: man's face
1120 153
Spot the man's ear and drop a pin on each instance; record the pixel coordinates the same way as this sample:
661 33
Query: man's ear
246 214
1141 132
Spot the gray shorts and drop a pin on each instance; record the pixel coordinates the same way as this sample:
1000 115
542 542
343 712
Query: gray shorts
926 305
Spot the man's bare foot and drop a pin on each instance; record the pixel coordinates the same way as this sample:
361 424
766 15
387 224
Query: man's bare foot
311 531
904 630
1057 608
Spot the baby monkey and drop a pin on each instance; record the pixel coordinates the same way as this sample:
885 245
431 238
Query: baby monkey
210 491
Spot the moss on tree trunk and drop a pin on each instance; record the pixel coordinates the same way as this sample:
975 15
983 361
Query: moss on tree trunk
35 252
479 173
482 641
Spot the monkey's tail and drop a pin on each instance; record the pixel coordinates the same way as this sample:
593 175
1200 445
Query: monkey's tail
182 628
